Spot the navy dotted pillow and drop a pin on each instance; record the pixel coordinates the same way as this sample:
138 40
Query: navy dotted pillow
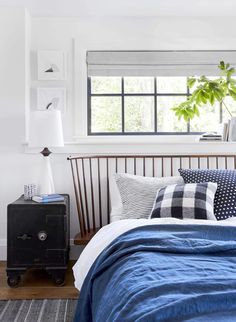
225 197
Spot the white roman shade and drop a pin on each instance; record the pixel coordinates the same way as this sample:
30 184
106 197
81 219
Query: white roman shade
157 63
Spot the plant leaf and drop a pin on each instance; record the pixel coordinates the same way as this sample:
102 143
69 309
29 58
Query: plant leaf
191 82
212 99
232 94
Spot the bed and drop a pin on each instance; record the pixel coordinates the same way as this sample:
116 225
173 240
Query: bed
156 269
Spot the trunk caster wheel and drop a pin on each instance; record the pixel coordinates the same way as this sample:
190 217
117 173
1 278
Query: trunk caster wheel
13 281
58 276
59 281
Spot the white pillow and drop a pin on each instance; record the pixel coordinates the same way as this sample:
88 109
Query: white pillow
138 193
116 214
114 193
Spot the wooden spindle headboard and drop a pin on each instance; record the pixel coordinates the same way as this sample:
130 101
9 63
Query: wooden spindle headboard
91 180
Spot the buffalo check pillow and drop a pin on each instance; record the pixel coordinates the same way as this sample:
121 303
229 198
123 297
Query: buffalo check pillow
185 201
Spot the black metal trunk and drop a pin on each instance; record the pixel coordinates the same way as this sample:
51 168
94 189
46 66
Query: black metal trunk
37 236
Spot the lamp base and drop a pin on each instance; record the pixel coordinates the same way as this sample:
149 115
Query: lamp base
47 184
45 152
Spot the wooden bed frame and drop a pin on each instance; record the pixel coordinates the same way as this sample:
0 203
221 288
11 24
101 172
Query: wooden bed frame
91 180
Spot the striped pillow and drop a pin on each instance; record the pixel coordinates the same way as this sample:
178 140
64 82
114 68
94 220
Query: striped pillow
185 201
138 193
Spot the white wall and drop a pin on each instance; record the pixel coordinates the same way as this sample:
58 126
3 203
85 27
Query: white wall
14 165
17 167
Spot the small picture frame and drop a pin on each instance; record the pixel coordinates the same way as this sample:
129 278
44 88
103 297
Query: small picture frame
51 98
51 65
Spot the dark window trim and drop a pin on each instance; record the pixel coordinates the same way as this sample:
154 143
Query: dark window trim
155 95
122 105
89 112
142 133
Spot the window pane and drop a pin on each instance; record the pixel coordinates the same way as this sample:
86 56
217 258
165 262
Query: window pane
166 119
139 114
106 114
105 85
173 85
231 105
208 120
139 85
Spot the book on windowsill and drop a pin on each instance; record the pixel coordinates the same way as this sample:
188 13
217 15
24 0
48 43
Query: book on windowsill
211 139
223 129
48 198
212 136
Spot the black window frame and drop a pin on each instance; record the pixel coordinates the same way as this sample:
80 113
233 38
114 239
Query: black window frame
155 95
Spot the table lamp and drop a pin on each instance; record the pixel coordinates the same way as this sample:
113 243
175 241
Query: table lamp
45 131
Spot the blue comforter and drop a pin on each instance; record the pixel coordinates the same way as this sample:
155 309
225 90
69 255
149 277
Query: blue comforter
163 273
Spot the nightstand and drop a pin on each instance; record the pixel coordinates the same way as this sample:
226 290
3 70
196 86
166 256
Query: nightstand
37 237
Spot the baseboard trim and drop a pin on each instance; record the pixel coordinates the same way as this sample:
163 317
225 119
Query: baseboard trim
75 250
3 249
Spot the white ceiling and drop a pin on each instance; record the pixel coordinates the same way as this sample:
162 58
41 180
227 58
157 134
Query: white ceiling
126 7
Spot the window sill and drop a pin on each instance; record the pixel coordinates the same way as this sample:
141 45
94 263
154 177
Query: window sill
141 145
142 139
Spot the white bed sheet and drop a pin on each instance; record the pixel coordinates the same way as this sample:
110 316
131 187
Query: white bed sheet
109 232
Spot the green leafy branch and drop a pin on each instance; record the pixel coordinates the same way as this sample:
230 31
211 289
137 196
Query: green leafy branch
207 91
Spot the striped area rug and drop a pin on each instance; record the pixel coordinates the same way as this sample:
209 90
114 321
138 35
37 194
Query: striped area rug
37 310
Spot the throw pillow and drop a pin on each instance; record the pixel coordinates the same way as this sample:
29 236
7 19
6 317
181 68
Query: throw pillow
225 198
138 193
185 201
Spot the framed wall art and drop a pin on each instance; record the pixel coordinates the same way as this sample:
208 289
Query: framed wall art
51 98
51 65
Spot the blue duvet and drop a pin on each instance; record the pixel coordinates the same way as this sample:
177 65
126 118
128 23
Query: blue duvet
163 273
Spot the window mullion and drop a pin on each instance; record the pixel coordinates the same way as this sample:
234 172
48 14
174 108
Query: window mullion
122 105
155 104
221 112
188 95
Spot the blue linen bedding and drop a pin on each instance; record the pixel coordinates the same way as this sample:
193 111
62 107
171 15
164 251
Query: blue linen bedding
163 273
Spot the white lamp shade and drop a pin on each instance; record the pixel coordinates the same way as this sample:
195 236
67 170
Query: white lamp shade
45 129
